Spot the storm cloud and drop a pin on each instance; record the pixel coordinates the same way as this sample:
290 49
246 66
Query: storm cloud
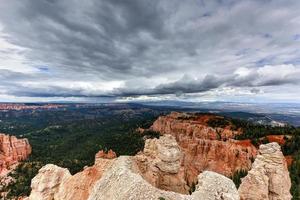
117 48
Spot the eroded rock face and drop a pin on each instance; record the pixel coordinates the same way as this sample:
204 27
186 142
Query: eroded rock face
160 164
56 183
208 189
269 177
80 185
12 150
109 155
124 178
218 156
192 126
203 146
122 182
46 183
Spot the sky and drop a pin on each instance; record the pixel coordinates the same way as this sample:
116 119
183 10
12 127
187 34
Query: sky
141 50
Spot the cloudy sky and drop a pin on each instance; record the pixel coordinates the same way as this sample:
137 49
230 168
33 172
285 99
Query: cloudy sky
117 50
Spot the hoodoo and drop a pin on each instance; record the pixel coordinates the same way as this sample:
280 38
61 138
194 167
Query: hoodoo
269 177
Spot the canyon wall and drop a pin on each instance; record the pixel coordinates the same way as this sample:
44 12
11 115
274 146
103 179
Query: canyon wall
205 147
12 150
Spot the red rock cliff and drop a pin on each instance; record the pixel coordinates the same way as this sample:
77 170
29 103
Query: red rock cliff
194 126
12 150
203 146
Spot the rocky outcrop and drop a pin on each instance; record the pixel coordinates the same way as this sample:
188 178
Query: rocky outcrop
56 183
203 146
122 182
79 186
147 175
207 187
160 164
12 150
169 166
269 177
109 155
194 126
46 183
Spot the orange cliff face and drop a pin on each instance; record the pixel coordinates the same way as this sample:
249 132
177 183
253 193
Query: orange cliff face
53 182
195 126
12 150
109 155
205 147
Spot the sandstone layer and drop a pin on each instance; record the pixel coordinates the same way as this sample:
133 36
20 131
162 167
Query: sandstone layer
205 147
269 177
56 183
194 126
12 150
161 164
122 182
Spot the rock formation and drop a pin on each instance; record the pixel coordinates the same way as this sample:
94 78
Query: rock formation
203 146
169 166
194 126
207 187
109 155
160 164
122 182
56 183
269 177
46 183
12 150
125 178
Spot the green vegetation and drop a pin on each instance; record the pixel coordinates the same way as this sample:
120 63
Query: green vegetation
193 187
253 131
292 147
295 177
237 176
218 122
73 143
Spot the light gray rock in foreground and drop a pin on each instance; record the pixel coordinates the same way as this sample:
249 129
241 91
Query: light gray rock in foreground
269 177
120 182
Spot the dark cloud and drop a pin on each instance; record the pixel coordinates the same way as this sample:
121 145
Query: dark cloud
147 46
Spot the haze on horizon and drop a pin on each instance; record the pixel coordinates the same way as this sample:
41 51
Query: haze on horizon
118 50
